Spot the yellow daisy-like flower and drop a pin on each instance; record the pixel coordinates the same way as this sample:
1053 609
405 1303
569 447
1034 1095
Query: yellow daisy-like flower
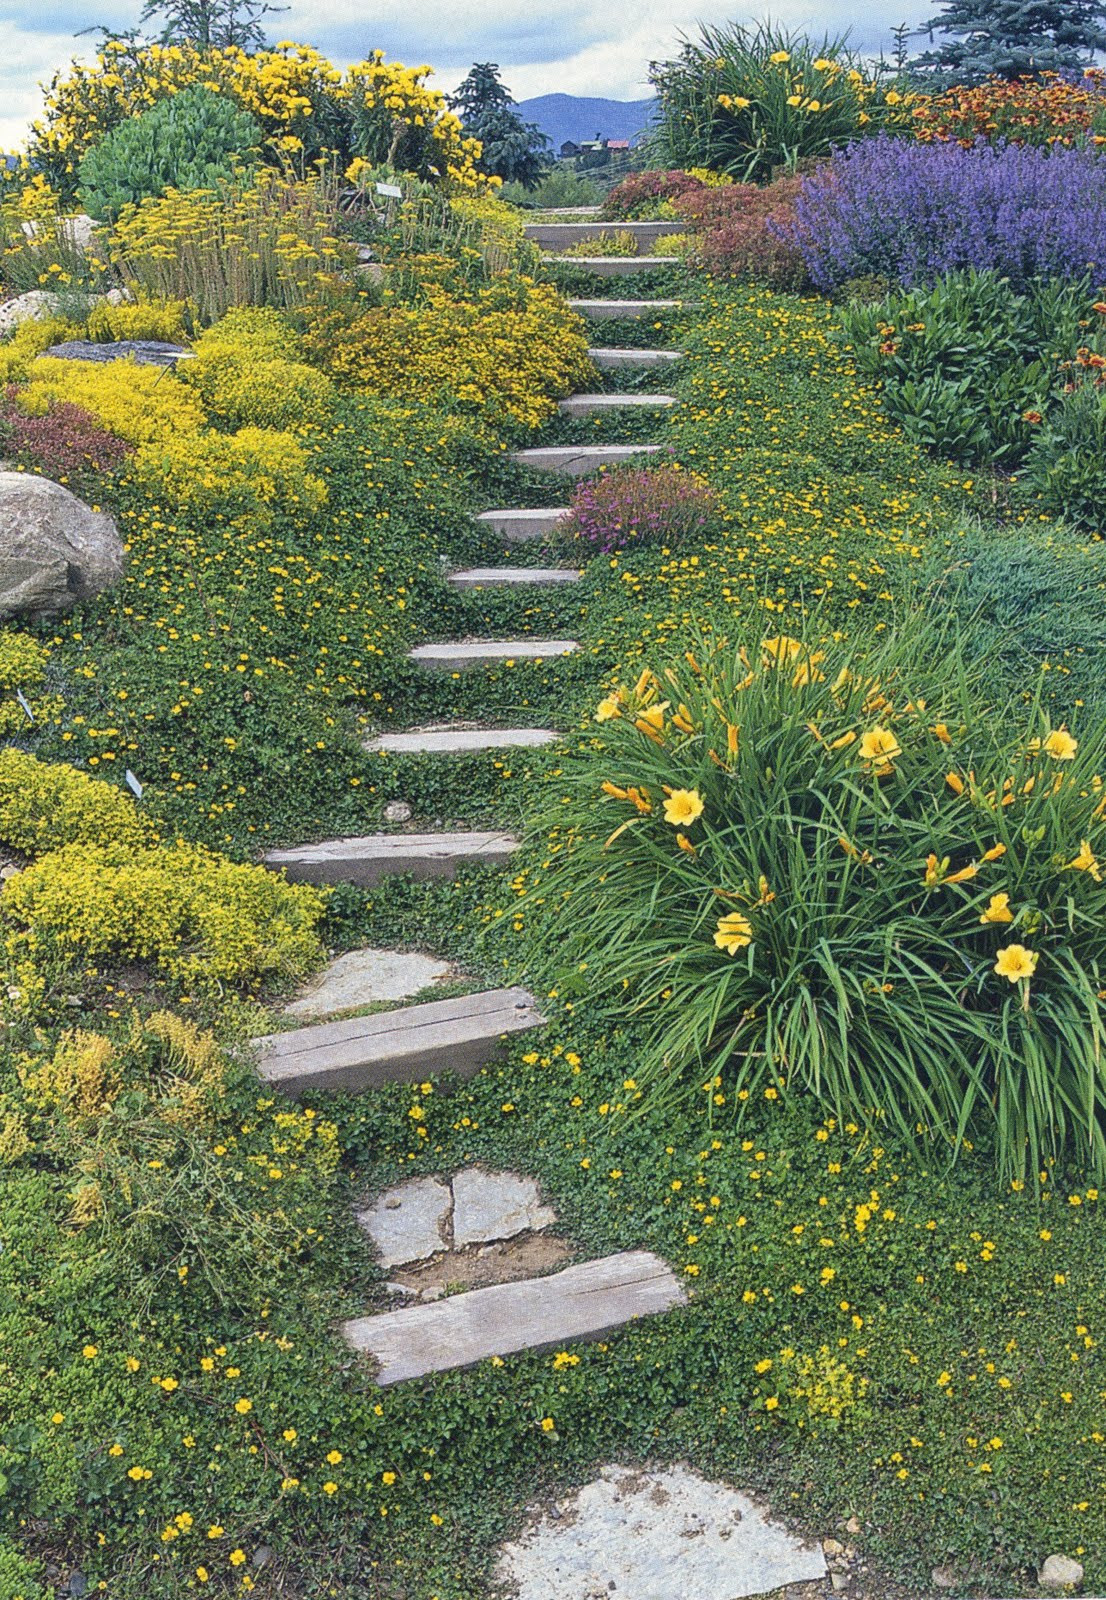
1060 745
683 807
1016 963
998 909
734 933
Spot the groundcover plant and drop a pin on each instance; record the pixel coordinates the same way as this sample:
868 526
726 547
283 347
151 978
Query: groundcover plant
808 886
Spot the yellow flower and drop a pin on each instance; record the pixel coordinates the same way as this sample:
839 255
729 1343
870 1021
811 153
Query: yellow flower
685 844
1016 963
955 782
879 745
778 57
683 807
998 909
733 933
1086 861
242 1406
547 1424
387 1479
794 99
608 708
892 97
1060 745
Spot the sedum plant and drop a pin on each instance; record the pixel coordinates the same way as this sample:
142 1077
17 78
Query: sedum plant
849 877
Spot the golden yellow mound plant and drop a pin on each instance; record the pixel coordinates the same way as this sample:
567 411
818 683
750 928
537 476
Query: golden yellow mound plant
250 477
137 403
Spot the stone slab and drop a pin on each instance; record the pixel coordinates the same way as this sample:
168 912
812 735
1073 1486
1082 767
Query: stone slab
513 577
563 235
146 352
616 358
460 741
614 266
369 978
583 405
410 1222
612 310
460 1035
367 858
521 525
655 1535
496 1205
459 654
582 1302
576 460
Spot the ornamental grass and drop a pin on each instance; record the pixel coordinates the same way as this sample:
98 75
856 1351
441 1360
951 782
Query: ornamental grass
849 877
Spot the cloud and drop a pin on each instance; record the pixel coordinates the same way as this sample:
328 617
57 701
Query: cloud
588 47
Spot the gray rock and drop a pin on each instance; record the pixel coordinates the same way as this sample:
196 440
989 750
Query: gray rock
652 1535
397 811
496 1205
408 1223
1059 1572
944 1578
55 551
368 977
78 231
39 303
146 352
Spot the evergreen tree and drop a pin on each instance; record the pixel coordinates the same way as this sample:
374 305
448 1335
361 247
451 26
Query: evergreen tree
1010 38
513 150
210 24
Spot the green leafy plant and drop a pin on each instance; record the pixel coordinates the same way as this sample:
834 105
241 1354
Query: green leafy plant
189 141
1066 462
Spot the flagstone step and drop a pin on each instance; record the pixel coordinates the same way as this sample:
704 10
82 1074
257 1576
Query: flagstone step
610 359
583 405
404 1046
459 654
569 211
582 1302
513 577
369 977
520 525
613 266
371 857
612 310
562 235
448 740
576 460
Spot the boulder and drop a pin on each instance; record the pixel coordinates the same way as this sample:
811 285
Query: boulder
41 303
55 551
146 352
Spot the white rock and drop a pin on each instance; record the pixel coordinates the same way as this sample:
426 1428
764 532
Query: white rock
1059 1572
409 1223
55 551
397 811
366 978
655 1535
944 1578
495 1205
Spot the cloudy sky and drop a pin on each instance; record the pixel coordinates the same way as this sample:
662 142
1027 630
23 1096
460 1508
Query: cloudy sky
588 47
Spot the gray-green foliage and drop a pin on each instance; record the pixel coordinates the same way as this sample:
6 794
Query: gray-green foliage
189 141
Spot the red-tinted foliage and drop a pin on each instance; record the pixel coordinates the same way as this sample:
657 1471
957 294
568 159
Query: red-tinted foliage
737 230
640 194
67 442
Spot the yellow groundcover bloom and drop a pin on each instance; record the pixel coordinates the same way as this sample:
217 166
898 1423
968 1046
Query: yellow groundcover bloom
683 807
733 933
998 909
1016 963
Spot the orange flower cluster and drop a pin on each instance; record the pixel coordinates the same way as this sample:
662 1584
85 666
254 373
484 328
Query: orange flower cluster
1036 111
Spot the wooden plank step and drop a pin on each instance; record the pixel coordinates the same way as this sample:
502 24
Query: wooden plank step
402 1046
562 235
576 460
460 741
368 858
582 1302
612 310
583 405
613 266
610 359
458 654
513 577
521 525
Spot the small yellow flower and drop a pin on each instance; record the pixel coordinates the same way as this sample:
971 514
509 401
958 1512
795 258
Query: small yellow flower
387 1479
683 807
1016 963
998 909
1060 745
733 933
333 1457
242 1406
547 1424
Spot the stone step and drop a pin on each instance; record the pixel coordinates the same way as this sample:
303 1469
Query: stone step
568 211
612 310
582 1302
459 654
371 857
614 359
513 577
583 405
576 460
460 741
403 1046
613 266
562 235
522 525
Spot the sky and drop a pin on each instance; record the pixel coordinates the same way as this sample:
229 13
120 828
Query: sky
587 47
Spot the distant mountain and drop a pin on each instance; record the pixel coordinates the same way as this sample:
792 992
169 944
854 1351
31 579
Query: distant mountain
575 117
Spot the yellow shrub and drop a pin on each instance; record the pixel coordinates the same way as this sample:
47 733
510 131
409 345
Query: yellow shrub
164 320
139 404
23 667
246 373
78 1080
28 342
251 476
44 806
197 917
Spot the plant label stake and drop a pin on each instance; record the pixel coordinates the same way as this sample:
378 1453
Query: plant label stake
392 190
133 784
26 704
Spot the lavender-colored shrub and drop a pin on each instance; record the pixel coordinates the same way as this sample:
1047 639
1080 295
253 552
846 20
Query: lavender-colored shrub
662 505
913 212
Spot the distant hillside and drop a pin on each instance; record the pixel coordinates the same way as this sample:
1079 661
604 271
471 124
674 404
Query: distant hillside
575 117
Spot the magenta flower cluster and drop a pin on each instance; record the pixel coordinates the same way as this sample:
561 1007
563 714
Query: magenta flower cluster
662 505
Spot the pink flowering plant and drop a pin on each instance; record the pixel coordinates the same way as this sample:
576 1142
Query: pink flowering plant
660 505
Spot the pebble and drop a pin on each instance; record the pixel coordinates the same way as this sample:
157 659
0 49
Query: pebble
944 1578
1059 1572
397 811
